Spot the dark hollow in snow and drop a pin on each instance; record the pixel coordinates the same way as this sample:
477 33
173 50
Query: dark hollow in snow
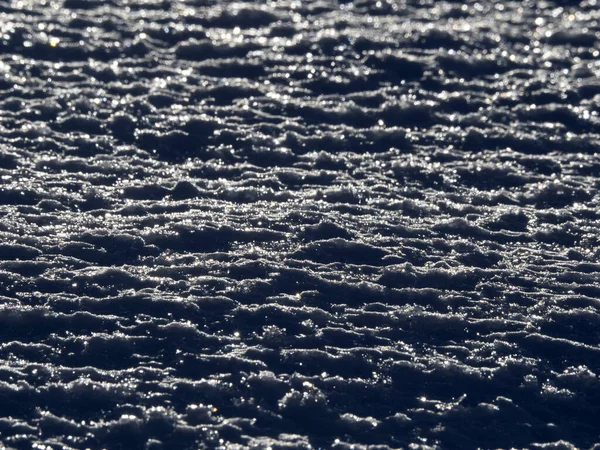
299 224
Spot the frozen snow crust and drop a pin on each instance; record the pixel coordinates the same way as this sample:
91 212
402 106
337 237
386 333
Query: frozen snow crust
299 224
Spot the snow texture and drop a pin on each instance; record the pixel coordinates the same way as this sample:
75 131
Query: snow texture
299 224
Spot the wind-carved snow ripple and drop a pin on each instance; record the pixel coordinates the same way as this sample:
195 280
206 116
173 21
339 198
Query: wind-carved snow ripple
299 224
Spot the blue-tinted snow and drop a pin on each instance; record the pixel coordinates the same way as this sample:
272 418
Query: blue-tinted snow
299 224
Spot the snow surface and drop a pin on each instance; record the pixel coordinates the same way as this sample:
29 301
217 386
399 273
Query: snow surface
299 224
